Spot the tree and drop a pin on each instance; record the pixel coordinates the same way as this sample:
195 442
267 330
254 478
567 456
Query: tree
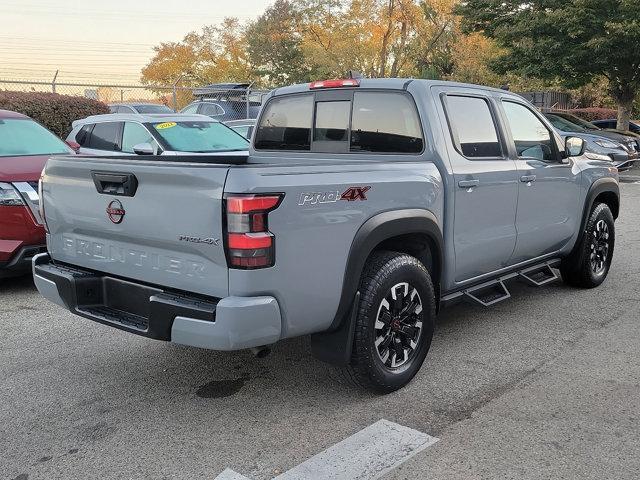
568 41
217 54
274 46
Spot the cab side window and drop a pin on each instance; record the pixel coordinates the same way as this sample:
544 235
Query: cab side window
530 135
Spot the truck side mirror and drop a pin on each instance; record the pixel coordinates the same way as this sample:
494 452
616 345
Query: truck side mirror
144 149
574 146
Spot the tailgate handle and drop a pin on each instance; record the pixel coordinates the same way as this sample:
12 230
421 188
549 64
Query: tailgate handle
114 183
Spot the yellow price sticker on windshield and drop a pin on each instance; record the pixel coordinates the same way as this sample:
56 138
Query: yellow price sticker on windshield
162 126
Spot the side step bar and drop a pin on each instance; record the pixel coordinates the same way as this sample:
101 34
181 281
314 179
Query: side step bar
538 276
488 294
495 291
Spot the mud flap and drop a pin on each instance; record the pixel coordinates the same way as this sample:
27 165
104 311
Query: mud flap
335 346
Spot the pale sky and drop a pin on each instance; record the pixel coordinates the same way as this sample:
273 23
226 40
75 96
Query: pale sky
100 41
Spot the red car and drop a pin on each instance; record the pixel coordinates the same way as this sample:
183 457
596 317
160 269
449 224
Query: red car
25 146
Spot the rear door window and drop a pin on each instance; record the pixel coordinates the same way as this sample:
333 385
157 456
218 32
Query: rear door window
105 136
472 127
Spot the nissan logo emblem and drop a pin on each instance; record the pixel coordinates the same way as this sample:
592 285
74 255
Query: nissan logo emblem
115 211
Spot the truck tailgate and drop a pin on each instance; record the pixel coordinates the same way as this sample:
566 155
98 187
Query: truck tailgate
168 232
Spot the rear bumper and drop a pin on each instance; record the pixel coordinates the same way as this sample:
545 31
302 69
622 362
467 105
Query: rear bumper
230 323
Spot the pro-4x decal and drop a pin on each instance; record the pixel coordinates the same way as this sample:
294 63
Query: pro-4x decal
351 194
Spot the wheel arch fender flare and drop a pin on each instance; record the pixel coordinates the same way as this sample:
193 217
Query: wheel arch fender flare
334 345
602 185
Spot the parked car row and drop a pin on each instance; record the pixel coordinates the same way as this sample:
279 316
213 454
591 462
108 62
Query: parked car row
612 123
142 108
622 149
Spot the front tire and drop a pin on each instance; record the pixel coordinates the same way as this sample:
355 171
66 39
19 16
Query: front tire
394 324
589 264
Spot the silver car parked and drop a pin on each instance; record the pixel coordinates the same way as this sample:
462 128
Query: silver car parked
140 108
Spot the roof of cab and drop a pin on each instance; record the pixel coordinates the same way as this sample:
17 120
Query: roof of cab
10 114
388 83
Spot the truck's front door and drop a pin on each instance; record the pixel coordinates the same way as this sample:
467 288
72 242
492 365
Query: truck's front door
548 215
485 183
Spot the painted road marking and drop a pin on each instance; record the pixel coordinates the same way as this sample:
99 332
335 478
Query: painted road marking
229 474
366 455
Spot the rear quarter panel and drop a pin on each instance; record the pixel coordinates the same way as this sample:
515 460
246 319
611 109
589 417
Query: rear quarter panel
312 239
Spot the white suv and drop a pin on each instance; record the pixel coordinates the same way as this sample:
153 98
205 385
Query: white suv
132 134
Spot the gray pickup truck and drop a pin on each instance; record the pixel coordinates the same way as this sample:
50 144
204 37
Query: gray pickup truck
362 208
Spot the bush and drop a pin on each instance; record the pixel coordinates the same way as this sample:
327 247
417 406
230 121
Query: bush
54 111
594 113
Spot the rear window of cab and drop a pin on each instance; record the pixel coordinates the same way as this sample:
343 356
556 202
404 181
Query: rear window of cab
352 121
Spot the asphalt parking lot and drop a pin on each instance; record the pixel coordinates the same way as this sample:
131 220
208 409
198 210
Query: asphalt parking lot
544 385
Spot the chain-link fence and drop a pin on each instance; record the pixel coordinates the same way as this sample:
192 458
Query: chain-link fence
221 101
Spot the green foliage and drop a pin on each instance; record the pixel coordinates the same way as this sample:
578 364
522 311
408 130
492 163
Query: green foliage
568 41
56 112
275 46
594 113
301 40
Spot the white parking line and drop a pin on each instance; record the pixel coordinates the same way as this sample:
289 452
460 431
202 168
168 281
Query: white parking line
366 455
229 474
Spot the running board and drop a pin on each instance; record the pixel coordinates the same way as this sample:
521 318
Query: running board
494 291
488 294
538 276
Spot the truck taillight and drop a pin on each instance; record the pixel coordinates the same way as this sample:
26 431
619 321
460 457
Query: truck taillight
249 243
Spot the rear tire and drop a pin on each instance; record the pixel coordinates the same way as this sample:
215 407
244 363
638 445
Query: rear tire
394 324
589 263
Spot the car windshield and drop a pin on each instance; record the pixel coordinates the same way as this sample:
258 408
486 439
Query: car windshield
153 109
577 122
20 137
563 124
200 137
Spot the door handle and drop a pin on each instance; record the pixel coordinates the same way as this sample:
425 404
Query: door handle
468 183
115 183
528 178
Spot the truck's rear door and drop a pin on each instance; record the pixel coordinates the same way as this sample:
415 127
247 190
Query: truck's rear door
156 221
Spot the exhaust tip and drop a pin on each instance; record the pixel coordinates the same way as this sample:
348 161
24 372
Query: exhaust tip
261 352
